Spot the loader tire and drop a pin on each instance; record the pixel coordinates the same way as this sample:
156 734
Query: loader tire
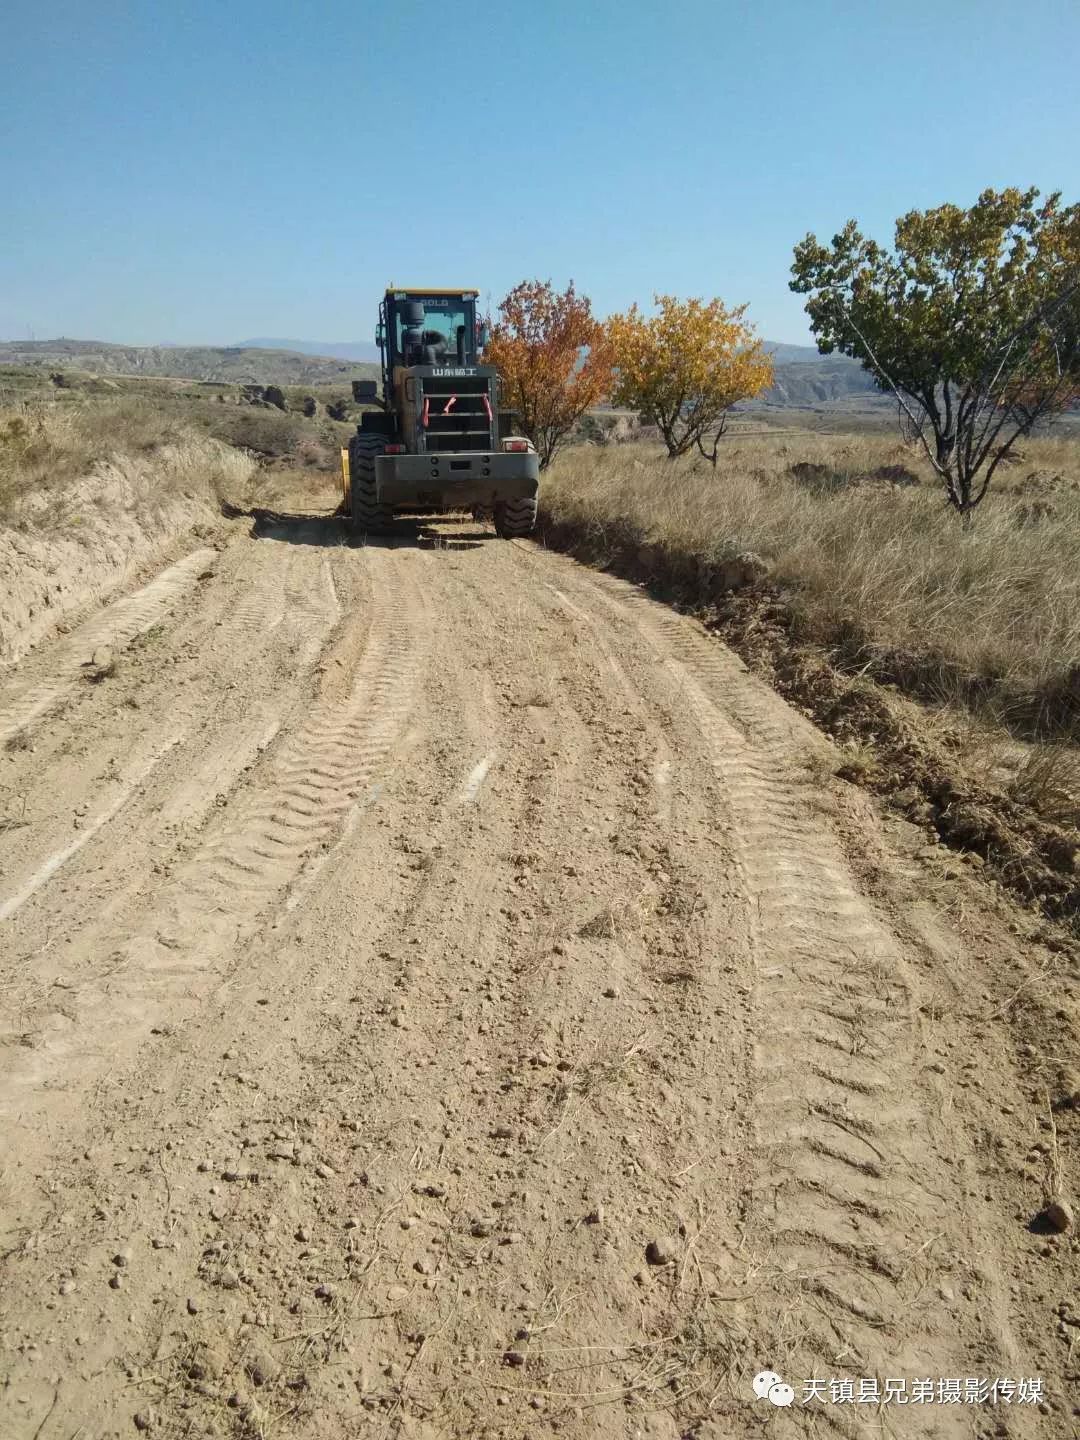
515 517
368 516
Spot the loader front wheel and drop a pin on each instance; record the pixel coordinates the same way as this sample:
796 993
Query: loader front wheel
515 517
368 516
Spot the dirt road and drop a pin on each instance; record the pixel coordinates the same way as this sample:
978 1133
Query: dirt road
443 994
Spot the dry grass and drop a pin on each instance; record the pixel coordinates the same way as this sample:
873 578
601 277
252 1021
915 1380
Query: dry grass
1048 779
50 437
877 571
91 489
44 446
131 452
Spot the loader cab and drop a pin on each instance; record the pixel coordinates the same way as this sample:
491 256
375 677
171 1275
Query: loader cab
428 327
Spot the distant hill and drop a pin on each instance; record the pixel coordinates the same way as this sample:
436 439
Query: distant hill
362 350
802 378
794 354
809 383
228 364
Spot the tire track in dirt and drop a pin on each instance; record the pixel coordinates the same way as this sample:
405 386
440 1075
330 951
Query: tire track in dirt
261 609
845 1230
433 963
293 808
117 625
273 610
664 758
217 773
312 1048
485 973
308 783
136 775
285 608
311 614
834 1004
559 1136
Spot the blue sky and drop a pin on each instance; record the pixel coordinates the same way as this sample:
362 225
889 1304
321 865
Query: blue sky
202 172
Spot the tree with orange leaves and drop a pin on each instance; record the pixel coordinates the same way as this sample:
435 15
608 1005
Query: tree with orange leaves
553 361
685 367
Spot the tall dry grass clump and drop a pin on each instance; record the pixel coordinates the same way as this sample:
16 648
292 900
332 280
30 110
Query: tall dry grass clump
90 494
54 459
871 564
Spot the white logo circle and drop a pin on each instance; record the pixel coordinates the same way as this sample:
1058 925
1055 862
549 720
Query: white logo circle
764 1382
781 1394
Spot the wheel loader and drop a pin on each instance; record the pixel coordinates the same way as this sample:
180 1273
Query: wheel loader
434 442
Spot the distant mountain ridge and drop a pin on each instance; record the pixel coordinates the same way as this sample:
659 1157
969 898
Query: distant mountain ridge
362 350
808 384
794 354
229 364
802 378
782 354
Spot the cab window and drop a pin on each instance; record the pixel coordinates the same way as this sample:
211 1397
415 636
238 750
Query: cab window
442 316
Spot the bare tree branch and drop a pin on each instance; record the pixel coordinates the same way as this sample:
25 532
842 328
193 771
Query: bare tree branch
893 387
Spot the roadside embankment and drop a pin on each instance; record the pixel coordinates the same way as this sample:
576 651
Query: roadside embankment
89 498
946 662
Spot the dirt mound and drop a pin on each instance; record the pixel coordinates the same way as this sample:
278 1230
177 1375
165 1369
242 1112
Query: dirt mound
823 478
895 475
804 472
64 550
1048 482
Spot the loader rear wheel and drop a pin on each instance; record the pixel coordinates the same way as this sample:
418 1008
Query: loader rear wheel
515 517
368 515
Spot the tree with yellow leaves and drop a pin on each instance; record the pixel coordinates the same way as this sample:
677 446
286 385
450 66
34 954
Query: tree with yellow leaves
972 322
685 367
553 361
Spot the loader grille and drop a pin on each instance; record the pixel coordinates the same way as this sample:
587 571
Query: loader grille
457 412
